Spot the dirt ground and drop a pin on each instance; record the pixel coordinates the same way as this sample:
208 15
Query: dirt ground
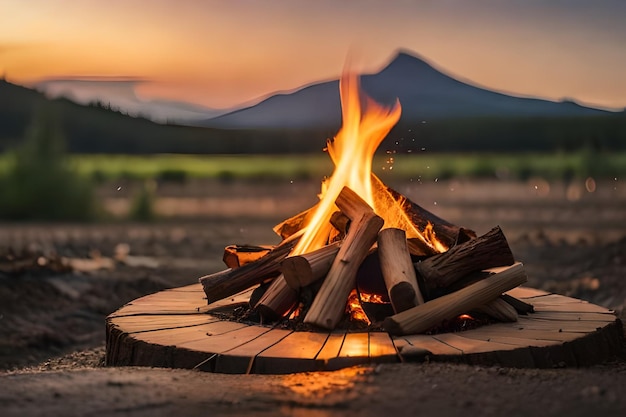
571 240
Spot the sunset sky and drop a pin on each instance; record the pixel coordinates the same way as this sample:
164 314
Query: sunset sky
224 53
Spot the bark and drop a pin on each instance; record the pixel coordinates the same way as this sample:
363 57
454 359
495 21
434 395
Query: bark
423 317
397 269
445 269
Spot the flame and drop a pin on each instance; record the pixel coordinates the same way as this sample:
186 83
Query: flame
355 310
372 298
365 125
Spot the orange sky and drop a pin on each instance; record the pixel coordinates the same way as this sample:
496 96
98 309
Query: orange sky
223 53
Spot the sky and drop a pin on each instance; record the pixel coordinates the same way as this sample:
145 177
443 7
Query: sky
221 54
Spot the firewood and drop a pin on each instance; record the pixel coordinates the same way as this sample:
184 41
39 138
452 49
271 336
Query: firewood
445 231
302 270
293 224
398 271
328 306
487 251
340 223
519 306
423 317
277 301
239 255
233 280
499 310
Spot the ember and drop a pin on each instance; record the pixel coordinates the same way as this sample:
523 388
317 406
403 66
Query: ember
430 268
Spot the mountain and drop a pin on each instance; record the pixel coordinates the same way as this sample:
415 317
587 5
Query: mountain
425 93
98 128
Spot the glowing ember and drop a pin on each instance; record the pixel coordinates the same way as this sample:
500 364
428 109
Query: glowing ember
365 125
355 310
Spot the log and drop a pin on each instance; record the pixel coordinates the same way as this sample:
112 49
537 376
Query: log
239 255
278 300
519 306
423 317
302 270
341 223
445 231
499 310
397 269
329 305
294 224
487 251
234 280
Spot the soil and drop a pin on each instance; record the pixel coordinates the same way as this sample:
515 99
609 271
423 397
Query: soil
571 240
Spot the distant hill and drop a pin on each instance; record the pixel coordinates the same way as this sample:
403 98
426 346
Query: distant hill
97 129
121 94
424 92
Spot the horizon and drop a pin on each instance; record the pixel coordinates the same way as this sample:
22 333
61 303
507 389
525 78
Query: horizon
249 51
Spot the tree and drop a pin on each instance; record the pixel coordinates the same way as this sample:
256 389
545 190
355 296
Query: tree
41 183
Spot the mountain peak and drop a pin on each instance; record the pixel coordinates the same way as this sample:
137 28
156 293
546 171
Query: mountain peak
404 59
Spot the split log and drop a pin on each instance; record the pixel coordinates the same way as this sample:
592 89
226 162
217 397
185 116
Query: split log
340 223
443 270
499 309
231 281
445 231
239 255
397 269
329 305
423 317
278 300
302 270
294 224
519 306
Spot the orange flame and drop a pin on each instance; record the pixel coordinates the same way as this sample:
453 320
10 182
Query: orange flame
365 125
354 308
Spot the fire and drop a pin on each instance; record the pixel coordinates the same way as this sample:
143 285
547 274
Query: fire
365 125
354 308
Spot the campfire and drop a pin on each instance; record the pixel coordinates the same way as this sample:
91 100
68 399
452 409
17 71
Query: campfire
367 253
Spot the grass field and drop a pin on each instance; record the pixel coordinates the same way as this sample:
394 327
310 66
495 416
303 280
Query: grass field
406 166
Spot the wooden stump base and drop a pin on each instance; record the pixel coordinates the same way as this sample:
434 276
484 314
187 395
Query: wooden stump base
177 329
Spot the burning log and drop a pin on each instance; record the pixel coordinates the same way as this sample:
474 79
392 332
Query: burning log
446 232
231 281
340 222
302 270
423 317
239 255
293 224
398 270
487 251
277 301
328 306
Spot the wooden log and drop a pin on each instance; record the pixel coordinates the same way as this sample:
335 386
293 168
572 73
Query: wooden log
445 231
487 251
397 269
293 224
519 306
239 255
423 317
340 223
231 281
278 300
328 306
302 270
498 309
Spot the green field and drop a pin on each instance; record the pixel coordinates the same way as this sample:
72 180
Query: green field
407 166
